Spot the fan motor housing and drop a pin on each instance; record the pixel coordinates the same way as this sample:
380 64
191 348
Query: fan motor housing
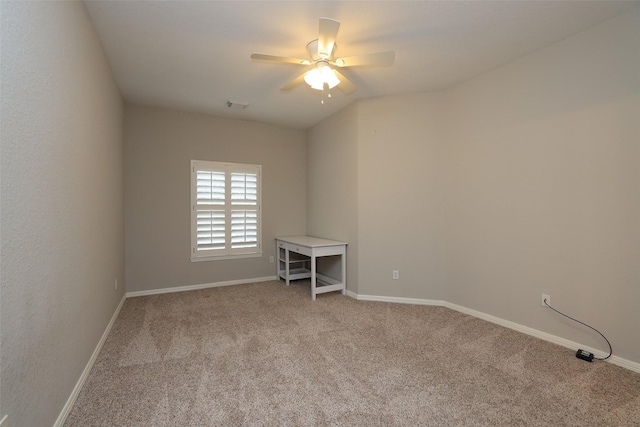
312 49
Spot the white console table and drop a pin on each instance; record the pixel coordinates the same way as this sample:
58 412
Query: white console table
296 252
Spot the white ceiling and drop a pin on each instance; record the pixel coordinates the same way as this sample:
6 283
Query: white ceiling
195 55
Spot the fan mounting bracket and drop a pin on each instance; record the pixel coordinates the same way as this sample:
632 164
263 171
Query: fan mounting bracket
312 49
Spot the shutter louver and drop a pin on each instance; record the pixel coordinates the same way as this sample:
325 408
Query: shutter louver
211 188
244 188
244 229
210 230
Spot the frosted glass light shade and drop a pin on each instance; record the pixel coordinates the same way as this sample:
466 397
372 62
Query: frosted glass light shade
330 77
321 74
314 79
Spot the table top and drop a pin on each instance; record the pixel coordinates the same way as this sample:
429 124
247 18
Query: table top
310 241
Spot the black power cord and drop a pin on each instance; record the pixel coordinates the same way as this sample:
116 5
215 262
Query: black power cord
581 353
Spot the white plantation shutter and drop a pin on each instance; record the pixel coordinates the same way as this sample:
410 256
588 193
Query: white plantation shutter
244 188
244 229
211 230
225 211
211 187
211 224
244 223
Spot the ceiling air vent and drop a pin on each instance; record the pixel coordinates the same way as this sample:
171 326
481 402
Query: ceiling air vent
237 105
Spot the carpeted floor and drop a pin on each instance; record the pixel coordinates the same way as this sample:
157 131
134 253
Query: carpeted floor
264 354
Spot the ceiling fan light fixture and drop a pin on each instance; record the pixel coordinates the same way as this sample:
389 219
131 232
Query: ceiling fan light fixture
329 77
321 74
314 79
326 68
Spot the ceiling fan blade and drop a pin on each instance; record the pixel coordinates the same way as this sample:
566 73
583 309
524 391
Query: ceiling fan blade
281 59
327 36
345 84
293 83
370 59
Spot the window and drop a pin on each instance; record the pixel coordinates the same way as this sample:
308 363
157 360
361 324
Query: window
225 211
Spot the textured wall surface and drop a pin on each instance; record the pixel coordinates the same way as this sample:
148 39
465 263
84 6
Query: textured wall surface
543 186
519 182
62 219
332 188
400 194
159 145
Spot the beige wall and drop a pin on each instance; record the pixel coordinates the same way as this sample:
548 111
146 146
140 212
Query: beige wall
159 145
332 192
543 185
62 222
373 170
524 181
400 197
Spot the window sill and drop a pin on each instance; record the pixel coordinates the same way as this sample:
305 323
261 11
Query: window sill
223 257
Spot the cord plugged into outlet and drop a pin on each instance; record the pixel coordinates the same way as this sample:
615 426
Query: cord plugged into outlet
546 298
580 354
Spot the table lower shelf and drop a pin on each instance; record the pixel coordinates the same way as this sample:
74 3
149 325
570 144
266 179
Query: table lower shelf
327 284
295 274
323 283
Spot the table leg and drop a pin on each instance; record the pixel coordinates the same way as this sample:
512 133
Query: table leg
343 261
286 266
313 277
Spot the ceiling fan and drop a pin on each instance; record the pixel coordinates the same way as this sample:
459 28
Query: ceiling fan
325 68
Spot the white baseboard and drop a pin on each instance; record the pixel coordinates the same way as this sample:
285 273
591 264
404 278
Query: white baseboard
619 361
399 300
76 390
351 294
200 286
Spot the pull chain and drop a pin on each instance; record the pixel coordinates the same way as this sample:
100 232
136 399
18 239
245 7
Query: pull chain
327 92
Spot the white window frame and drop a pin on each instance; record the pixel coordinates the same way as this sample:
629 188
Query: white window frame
229 207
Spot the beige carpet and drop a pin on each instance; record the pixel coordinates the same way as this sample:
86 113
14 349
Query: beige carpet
264 354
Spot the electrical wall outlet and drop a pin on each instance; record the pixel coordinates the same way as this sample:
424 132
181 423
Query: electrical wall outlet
396 274
271 259
545 297
116 284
